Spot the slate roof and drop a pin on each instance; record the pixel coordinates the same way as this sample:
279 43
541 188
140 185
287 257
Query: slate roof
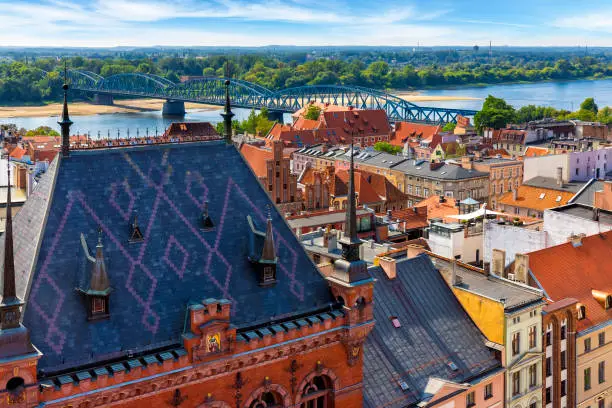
178 263
586 195
512 294
434 331
422 168
551 183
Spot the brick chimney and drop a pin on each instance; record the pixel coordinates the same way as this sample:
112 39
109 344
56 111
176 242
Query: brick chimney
332 242
515 193
521 267
389 265
453 279
498 263
413 250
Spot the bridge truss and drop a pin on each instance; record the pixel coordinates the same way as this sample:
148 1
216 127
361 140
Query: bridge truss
248 95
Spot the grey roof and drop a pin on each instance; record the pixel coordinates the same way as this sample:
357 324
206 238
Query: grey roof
322 219
586 195
176 264
435 336
514 295
421 168
369 249
551 183
585 212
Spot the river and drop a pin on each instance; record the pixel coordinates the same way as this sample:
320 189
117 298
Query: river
563 95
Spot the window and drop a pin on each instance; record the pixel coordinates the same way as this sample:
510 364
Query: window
265 400
548 395
516 383
470 399
587 379
563 360
409 188
533 375
563 332
601 403
97 305
563 388
581 312
602 372
426 192
576 171
548 338
533 405
587 345
602 338
516 210
417 190
516 343
532 337
488 391
548 366
317 393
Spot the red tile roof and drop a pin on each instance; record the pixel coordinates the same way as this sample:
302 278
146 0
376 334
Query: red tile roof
580 272
533 151
436 209
371 122
301 123
536 198
365 192
509 136
257 157
18 153
414 218
405 131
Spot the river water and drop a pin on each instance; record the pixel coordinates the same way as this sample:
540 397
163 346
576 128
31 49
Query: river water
563 95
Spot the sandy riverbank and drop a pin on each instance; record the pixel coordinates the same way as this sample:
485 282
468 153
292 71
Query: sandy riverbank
83 108
415 96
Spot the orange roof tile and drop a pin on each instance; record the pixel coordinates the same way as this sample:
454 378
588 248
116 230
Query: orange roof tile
568 271
301 124
413 217
365 192
436 209
18 153
533 151
407 130
536 198
371 122
257 157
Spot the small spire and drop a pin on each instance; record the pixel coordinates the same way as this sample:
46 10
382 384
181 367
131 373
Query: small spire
268 253
99 278
9 292
65 122
350 230
227 114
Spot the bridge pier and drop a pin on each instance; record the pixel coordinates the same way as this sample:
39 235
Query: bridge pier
103 99
275 116
173 108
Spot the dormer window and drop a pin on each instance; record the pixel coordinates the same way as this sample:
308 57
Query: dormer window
268 275
608 302
581 312
97 289
97 306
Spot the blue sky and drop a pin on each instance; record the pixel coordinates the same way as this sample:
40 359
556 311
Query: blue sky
304 22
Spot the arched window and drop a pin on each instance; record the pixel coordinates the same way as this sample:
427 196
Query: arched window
16 390
317 393
267 400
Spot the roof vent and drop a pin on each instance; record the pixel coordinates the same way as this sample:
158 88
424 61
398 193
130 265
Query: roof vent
395 321
135 233
542 195
452 366
403 385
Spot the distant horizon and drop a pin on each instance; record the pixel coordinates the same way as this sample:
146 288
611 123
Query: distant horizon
269 23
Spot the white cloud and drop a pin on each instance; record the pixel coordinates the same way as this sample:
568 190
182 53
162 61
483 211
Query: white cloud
599 21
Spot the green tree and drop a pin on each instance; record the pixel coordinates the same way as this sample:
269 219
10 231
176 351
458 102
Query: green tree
589 105
42 131
449 127
387 147
312 112
495 113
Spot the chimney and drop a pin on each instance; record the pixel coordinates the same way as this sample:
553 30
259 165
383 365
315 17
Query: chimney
498 262
560 176
466 162
442 199
332 242
389 265
576 240
515 194
414 250
521 267
595 214
453 280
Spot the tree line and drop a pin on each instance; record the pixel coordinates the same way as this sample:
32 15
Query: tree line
496 113
22 82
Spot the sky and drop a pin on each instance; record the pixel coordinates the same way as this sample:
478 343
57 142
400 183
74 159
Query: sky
109 23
